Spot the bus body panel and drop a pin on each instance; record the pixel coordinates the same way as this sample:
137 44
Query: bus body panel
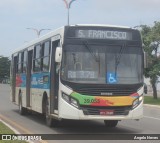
40 85
37 99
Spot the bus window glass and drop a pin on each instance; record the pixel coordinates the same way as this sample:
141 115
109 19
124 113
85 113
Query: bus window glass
45 64
25 56
24 67
46 49
101 64
19 57
19 68
37 65
24 60
38 51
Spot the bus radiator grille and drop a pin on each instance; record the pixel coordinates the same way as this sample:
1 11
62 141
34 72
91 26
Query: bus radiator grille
100 91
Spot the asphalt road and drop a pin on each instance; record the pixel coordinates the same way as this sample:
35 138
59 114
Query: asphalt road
35 123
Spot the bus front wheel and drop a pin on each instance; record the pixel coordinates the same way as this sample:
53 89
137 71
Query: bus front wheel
49 120
110 123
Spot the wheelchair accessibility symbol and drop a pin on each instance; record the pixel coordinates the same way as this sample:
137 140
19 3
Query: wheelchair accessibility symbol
111 78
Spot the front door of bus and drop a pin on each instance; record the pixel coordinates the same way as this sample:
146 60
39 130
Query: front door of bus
54 80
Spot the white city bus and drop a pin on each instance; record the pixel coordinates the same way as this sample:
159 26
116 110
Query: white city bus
81 72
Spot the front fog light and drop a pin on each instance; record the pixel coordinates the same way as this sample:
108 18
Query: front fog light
135 103
65 97
74 102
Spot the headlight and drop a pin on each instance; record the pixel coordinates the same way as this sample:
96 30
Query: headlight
140 98
137 102
70 100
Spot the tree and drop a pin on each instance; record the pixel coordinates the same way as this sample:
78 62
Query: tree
4 68
151 41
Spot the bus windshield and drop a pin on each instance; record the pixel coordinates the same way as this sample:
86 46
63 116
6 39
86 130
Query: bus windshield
101 64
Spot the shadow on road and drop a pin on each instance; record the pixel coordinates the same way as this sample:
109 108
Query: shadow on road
79 127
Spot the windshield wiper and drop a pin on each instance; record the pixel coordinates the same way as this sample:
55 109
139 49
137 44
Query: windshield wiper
118 58
97 58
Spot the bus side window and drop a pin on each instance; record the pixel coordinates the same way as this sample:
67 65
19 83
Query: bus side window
37 58
19 66
45 56
24 61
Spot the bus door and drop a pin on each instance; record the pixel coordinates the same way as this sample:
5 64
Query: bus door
13 76
28 80
54 80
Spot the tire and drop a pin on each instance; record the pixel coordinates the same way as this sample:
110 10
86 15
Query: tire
22 110
50 122
110 123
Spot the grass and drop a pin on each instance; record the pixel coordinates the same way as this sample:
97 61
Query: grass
5 130
151 100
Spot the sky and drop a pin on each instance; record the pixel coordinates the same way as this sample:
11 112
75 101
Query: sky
18 15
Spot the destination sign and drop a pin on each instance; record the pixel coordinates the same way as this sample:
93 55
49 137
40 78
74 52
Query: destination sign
103 34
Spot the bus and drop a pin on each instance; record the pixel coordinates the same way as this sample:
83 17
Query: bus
81 72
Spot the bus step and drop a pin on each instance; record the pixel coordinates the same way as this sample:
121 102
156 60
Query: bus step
56 112
29 108
54 116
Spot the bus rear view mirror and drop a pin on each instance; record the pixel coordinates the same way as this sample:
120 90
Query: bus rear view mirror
58 55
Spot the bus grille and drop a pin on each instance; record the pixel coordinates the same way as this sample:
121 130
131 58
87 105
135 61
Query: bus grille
96 110
113 91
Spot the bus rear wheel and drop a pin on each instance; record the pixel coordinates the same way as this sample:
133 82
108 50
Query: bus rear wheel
49 120
110 123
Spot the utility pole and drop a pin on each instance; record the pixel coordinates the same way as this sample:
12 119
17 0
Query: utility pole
68 6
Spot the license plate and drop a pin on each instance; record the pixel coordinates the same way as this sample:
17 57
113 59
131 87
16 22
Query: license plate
106 112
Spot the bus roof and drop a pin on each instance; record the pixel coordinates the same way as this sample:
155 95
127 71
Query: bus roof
103 25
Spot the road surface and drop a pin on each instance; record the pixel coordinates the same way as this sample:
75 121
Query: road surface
35 124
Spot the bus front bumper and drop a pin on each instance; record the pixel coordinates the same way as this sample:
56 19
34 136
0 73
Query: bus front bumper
67 111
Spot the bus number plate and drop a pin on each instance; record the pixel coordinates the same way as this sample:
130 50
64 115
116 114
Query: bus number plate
106 112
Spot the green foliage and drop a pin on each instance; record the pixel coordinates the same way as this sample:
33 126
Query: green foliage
4 68
151 41
150 100
6 130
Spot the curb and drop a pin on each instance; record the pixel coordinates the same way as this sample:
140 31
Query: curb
150 105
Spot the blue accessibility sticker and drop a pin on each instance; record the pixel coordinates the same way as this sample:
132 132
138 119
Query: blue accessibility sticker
111 78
